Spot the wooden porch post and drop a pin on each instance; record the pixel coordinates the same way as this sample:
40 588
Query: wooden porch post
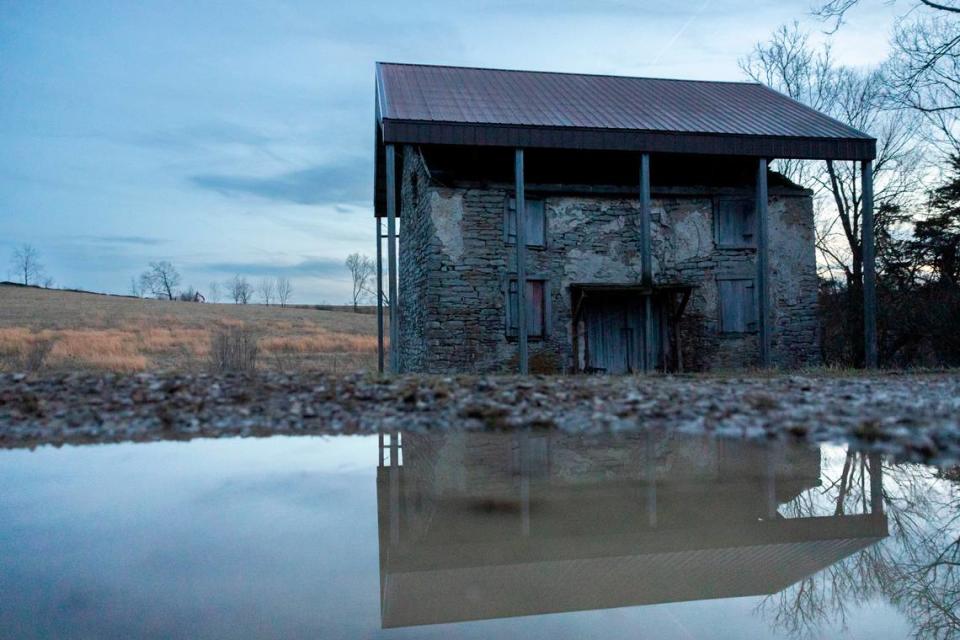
392 254
521 211
763 294
379 296
646 260
869 269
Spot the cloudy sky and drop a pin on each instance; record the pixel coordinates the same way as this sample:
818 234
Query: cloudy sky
237 136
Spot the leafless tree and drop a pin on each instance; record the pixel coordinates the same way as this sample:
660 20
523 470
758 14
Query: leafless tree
266 290
924 68
361 269
859 98
161 279
240 289
213 291
284 290
26 264
136 287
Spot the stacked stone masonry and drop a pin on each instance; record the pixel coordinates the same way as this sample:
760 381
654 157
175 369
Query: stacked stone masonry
454 264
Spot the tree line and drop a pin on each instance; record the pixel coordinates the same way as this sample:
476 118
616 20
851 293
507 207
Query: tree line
911 104
162 280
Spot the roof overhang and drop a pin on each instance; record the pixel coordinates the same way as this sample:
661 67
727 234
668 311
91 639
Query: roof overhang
471 134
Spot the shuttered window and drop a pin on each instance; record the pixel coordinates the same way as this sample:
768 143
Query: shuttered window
735 222
535 223
738 309
536 309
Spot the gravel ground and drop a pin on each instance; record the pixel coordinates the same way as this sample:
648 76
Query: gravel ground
911 416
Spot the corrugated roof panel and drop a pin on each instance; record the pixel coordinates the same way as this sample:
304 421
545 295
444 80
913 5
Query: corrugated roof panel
526 98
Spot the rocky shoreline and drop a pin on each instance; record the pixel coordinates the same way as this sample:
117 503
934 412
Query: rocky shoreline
912 416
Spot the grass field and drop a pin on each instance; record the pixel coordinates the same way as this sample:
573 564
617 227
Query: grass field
50 330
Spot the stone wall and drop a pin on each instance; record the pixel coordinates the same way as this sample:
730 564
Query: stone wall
455 265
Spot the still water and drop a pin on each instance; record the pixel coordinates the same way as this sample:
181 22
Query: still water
475 535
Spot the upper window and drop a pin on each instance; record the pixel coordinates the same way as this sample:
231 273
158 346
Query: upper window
535 223
536 309
738 308
736 222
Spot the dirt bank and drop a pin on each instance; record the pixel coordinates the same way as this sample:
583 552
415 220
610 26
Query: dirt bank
912 416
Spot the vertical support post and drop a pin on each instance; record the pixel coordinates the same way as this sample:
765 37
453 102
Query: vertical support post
876 484
521 213
869 268
394 488
650 472
524 482
392 253
379 296
763 294
646 260
770 482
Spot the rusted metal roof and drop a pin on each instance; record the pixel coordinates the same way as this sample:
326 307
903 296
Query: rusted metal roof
458 105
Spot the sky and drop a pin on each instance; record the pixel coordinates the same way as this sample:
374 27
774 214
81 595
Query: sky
236 137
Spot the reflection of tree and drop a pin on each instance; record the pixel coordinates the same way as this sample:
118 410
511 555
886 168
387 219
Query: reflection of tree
917 569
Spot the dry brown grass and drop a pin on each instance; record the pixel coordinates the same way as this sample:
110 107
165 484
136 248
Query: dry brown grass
90 331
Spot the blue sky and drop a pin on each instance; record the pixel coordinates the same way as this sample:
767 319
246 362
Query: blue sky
237 137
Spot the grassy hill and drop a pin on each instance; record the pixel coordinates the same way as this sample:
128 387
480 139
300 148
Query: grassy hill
46 329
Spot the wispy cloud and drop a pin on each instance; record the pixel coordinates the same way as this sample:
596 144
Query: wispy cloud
140 241
313 267
323 184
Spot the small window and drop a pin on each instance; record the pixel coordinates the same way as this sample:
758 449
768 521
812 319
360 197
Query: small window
536 309
736 222
738 309
535 228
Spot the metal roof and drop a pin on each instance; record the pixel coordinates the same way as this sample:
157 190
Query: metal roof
424 104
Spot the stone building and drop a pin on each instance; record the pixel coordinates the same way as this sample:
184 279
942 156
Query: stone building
654 234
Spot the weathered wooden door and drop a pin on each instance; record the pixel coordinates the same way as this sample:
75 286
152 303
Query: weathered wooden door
614 335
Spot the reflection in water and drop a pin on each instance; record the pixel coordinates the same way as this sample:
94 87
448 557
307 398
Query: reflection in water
479 525
307 537
917 568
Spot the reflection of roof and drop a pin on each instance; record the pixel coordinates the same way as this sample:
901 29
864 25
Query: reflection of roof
519 577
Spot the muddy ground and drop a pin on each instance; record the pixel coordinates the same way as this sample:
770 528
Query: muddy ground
911 416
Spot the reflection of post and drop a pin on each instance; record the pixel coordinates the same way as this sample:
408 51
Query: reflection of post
650 471
394 488
876 484
525 482
770 482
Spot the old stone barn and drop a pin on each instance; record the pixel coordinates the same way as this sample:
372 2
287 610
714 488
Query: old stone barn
552 222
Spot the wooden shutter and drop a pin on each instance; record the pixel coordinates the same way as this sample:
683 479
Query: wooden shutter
534 223
738 309
512 314
535 308
736 222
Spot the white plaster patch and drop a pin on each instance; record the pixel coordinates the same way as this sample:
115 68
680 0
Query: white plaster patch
446 213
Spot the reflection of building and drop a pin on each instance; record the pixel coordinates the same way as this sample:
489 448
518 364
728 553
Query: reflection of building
490 525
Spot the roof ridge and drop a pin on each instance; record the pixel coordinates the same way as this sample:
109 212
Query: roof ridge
565 73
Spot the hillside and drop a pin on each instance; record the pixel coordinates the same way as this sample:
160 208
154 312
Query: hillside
64 331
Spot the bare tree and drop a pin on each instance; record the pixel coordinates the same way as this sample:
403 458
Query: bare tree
240 290
213 291
161 279
361 269
26 264
266 290
136 287
284 289
924 68
860 99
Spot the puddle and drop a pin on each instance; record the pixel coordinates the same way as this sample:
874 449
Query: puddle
475 535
